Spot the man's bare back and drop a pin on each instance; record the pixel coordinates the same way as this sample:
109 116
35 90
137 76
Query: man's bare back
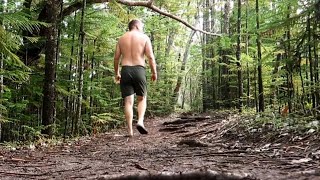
132 46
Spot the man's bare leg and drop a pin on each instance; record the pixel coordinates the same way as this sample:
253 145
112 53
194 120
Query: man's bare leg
128 111
142 105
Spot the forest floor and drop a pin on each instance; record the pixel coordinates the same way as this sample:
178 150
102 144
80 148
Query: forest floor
177 147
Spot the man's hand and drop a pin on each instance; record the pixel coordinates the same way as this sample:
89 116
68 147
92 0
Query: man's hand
154 77
117 78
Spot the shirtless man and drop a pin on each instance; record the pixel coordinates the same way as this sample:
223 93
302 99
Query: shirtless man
132 47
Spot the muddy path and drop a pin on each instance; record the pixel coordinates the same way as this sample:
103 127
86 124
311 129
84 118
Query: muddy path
185 147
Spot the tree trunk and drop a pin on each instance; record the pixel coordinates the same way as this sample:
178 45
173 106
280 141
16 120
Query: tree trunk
238 56
1 68
256 103
212 55
91 101
289 65
52 8
311 66
316 62
170 41
184 93
274 88
183 65
302 84
78 121
58 54
225 68
260 82
68 110
1 90
205 98
247 53
317 12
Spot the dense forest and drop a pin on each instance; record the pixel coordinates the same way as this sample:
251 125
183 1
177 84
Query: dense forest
250 56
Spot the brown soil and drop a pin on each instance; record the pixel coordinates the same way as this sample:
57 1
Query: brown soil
188 147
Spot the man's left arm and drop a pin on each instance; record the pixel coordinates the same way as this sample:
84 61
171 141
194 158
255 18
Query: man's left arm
116 59
151 59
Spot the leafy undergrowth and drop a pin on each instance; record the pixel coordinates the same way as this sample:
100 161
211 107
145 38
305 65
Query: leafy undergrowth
272 128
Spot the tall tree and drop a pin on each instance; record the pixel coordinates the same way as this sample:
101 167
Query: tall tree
260 81
311 63
69 103
225 79
238 56
183 65
247 54
53 8
214 86
2 2
205 65
290 67
78 121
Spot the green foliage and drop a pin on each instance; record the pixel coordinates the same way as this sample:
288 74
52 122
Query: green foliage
271 121
211 65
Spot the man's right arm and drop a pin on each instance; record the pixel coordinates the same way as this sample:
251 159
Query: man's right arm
151 59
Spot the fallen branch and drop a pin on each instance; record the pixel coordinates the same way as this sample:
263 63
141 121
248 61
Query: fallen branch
148 4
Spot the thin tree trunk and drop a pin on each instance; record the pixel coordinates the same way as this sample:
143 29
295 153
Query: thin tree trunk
91 81
225 68
68 109
1 91
311 66
78 121
302 84
52 7
289 65
2 9
184 61
247 53
190 91
256 103
183 65
316 64
205 103
170 40
238 56
220 86
274 88
57 55
212 55
260 82
317 12
184 93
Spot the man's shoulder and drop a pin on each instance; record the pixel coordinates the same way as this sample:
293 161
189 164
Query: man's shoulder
146 37
124 36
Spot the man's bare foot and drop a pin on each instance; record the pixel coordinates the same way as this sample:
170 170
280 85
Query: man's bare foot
130 131
142 129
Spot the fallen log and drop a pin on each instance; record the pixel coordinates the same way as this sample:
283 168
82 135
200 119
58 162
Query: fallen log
208 175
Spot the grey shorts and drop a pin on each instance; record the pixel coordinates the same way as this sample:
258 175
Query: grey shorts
133 81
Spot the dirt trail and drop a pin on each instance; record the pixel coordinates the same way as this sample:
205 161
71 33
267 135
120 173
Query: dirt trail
174 147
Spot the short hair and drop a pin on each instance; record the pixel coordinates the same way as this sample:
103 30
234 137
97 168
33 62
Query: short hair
132 23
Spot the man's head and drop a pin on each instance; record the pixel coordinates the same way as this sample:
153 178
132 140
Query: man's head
135 24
